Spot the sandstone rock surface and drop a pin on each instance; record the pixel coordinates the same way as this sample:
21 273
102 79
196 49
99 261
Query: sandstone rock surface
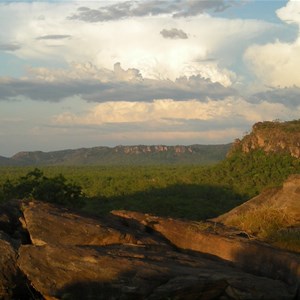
285 199
231 245
136 256
47 224
271 137
130 272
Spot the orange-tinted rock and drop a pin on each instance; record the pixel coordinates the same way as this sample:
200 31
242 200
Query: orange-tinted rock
251 255
48 224
276 137
130 272
285 199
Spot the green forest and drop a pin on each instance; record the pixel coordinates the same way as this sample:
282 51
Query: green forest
185 191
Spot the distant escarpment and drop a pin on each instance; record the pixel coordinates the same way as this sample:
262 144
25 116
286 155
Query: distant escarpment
122 155
271 137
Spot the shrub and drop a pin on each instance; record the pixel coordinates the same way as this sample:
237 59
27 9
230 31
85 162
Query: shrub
34 185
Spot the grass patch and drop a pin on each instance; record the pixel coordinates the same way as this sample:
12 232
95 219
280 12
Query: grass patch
270 224
287 239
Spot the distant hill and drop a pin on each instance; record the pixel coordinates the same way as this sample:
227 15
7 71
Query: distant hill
122 155
4 160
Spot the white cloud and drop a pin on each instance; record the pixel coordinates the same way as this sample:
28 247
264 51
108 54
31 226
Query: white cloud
162 112
122 112
168 121
134 42
277 64
290 13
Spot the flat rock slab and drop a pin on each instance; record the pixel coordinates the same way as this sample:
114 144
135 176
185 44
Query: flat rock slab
251 255
48 224
138 272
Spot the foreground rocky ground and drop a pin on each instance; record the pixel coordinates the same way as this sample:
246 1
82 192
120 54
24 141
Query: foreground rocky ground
48 252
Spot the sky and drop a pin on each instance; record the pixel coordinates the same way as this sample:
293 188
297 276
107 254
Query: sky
80 73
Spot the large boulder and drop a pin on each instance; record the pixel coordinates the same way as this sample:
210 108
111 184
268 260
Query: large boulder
48 224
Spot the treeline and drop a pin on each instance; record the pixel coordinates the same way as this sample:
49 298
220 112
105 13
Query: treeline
193 192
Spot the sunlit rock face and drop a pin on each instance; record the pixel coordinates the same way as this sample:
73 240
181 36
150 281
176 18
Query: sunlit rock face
271 137
285 199
65 255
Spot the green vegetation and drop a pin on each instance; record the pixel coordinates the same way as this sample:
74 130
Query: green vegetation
192 192
34 185
290 126
250 173
122 155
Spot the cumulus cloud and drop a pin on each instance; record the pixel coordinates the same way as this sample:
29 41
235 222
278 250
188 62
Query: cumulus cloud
104 85
174 34
169 121
54 37
135 42
290 13
179 8
170 113
277 64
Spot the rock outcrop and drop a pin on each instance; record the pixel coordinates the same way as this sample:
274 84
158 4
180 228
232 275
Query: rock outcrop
285 199
271 137
226 243
61 254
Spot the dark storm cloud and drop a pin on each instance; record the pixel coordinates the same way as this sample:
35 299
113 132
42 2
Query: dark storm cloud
9 47
177 8
54 37
174 34
194 87
288 96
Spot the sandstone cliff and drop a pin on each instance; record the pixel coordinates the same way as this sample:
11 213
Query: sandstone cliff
271 137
